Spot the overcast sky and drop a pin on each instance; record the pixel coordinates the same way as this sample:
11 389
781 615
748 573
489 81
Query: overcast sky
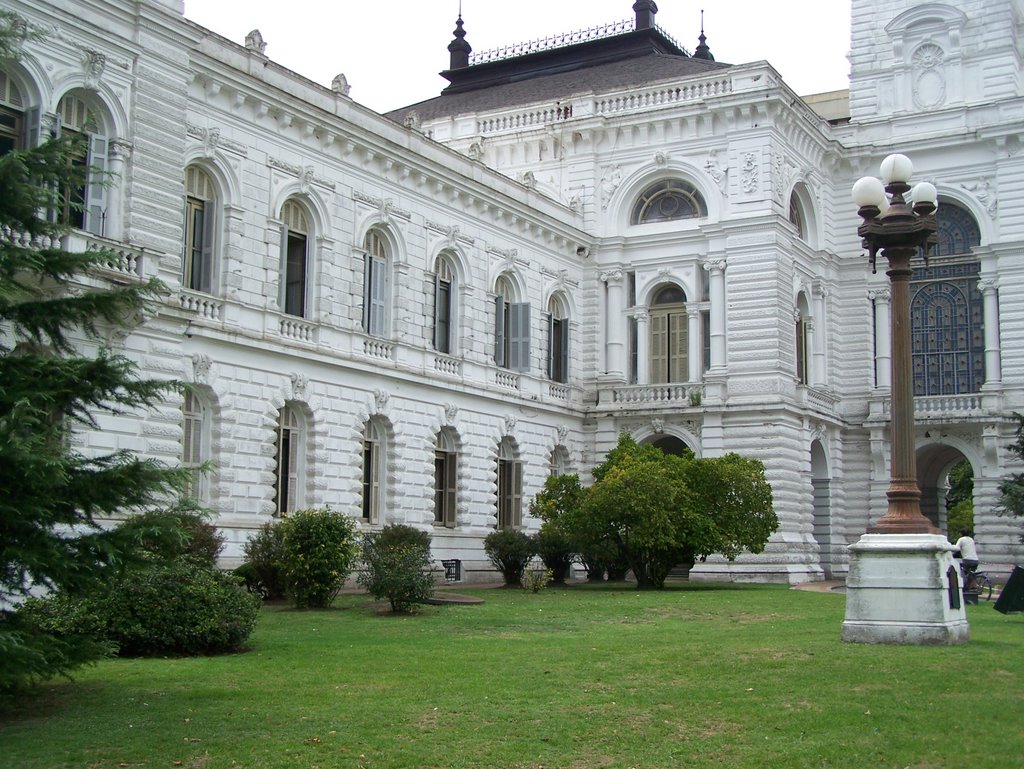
392 50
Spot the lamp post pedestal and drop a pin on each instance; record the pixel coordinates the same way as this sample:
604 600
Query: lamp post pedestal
904 589
903 586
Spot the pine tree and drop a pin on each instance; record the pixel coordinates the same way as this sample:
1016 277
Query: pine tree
54 306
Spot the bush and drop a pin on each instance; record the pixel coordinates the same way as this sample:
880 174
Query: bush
536 580
397 566
263 569
509 551
320 548
176 608
555 548
176 533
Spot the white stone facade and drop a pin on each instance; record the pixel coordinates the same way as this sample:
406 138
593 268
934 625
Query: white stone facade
537 204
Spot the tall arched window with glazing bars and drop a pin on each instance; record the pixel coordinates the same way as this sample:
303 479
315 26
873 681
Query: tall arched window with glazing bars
946 313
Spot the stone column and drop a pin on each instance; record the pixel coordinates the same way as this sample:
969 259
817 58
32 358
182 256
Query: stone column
883 345
615 344
990 295
693 339
716 291
117 153
818 375
643 353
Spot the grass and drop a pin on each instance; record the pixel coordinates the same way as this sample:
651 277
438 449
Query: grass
693 677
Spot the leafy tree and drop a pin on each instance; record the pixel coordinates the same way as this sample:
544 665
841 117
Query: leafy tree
639 504
555 505
51 495
960 500
659 510
509 551
320 550
1011 489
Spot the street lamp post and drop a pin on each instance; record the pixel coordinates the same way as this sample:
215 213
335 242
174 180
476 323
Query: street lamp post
898 229
902 586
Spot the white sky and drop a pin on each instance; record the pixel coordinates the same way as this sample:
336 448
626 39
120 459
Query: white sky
392 50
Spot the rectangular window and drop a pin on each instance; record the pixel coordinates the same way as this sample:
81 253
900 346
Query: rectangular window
519 336
195 234
705 328
285 478
442 314
375 300
510 493
445 480
192 445
801 351
371 481
295 275
11 131
558 349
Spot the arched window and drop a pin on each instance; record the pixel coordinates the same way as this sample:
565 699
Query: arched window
294 259
200 219
796 216
374 453
195 443
669 340
375 284
12 115
559 464
510 486
446 471
289 452
511 328
946 310
84 203
668 200
803 351
444 304
558 340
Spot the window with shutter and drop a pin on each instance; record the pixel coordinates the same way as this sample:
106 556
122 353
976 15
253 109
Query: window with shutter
294 259
558 342
669 337
445 480
443 296
373 472
510 487
12 116
288 462
519 344
194 444
197 261
375 284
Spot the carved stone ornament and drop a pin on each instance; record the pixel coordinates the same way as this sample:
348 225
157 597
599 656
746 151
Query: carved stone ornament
201 365
611 178
563 433
380 400
299 383
476 150
93 64
451 412
929 76
340 84
749 172
413 120
718 174
660 159
510 424
658 425
254 42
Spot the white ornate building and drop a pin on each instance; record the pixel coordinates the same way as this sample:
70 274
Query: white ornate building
418 317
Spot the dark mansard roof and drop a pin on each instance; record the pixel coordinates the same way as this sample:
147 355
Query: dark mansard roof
614 57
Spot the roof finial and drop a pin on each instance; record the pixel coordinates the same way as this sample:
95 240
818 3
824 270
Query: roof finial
702 51
458 48
645 10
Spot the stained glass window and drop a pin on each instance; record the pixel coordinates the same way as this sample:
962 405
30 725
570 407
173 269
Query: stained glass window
667 200
946 311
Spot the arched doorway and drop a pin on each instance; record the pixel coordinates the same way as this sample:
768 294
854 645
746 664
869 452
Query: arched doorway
934 463
821 491
670 444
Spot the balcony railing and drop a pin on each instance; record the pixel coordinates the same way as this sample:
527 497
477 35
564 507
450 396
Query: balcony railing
205 306
297 329
648 395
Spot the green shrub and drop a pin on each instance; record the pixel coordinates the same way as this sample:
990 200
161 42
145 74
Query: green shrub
176 533
397 566
176 608
263 570
320 548
44 639
536 580
555 548
509 551
180 608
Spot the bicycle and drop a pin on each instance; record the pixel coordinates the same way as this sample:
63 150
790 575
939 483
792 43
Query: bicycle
977 582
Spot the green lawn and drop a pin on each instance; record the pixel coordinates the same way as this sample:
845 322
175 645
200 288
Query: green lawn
695 676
